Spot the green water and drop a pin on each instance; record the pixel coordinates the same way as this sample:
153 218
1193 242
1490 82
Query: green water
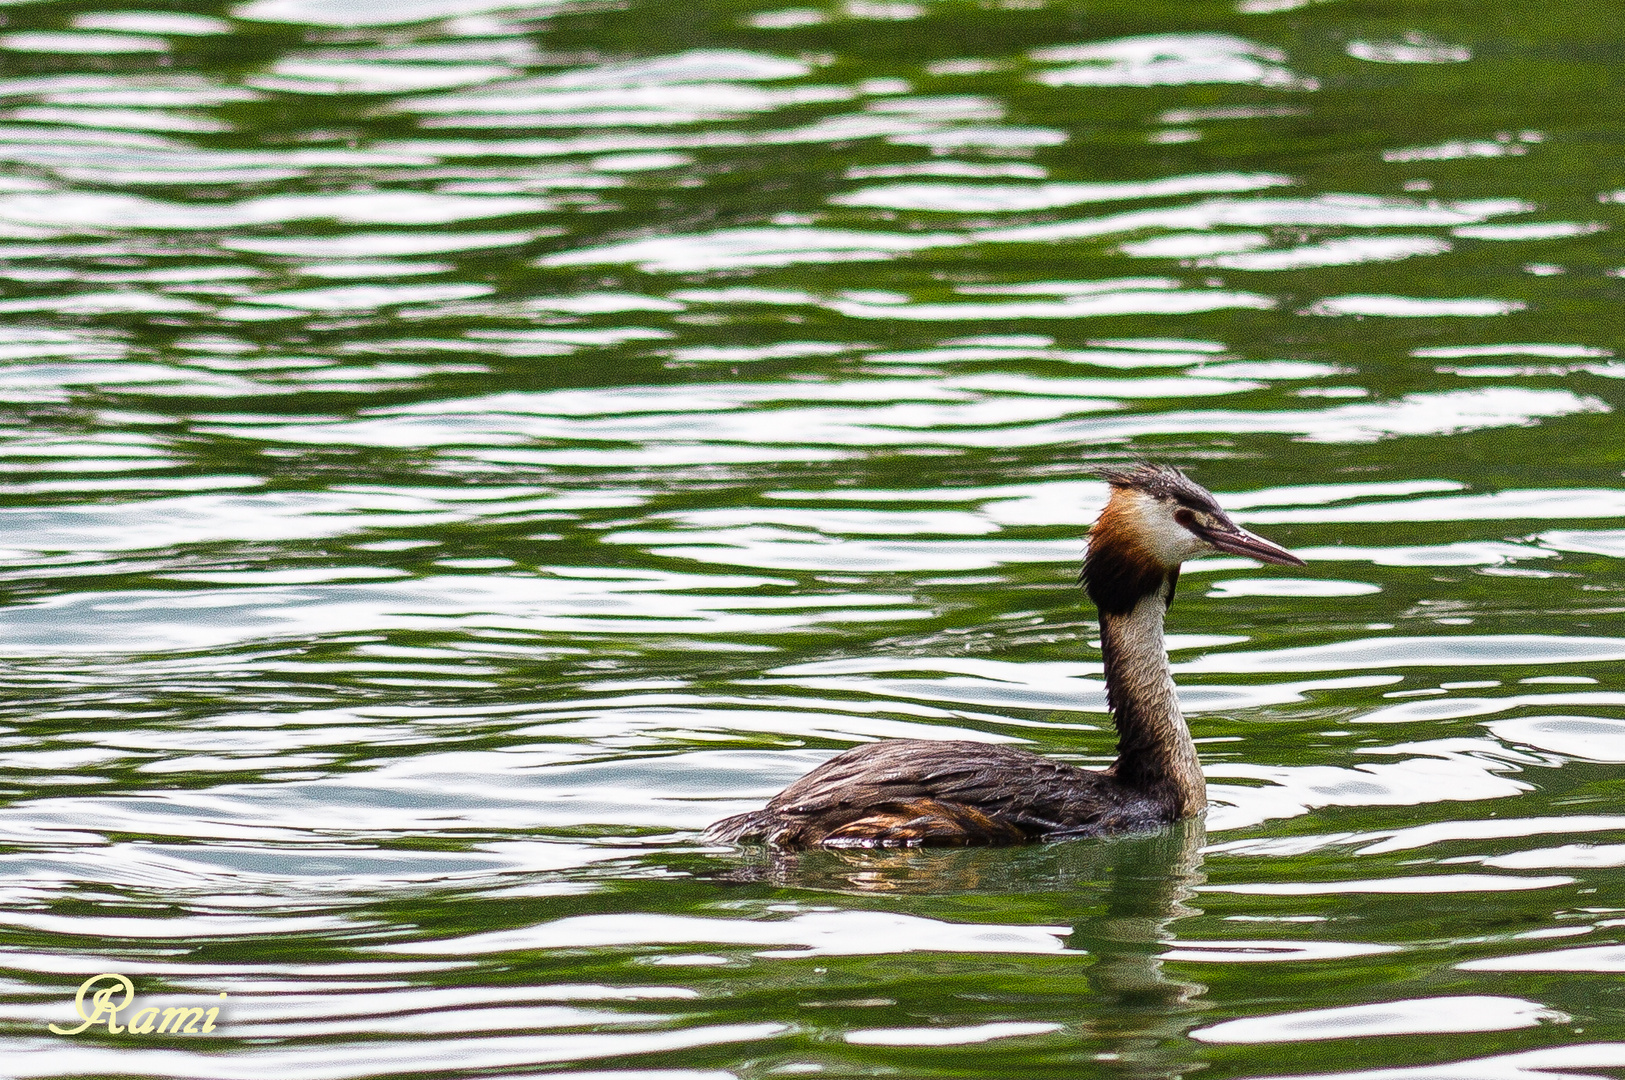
453 451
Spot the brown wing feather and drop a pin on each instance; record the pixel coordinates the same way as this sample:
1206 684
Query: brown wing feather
924 823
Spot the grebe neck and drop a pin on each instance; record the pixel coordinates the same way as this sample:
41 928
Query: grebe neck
1154 749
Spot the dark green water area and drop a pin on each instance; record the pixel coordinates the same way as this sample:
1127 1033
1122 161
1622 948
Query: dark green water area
451 451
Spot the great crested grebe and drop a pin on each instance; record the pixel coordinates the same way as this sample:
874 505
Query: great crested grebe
925 792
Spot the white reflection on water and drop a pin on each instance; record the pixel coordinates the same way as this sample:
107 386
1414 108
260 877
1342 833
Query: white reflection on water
1163 298
373 245
367 297
343 14
840 522
545 103
1270 952
1452 352
1533 230
152 22
245 865
1169 60
382 269
564 601
1444 770
814 933
1412 1016
1457 707
1554 1063
1591 541
95 454
1412 307
346 1060
104 303
180 928
312 76
124 119
265 516
1457 650
1583 738
46 41
695 66
1524 504
1325 211
1414 48
1345 252
948 1036
985 198
1192 245
66 214
1033 347
736 248
1568 856
260 1008
1431 883
108 157
1610 958
1413 837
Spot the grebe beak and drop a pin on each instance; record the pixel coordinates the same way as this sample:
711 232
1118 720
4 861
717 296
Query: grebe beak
1238 541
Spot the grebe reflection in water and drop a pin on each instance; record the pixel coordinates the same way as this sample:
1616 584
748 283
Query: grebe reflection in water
925 792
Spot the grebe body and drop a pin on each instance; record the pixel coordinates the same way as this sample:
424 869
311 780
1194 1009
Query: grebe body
926 792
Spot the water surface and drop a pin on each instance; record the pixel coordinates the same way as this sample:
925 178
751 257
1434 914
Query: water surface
455 450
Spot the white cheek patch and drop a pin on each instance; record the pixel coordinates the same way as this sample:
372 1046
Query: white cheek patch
1155 528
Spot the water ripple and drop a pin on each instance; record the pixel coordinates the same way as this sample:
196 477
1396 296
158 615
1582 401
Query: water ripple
455 452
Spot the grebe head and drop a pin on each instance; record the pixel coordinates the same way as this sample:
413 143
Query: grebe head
1155 519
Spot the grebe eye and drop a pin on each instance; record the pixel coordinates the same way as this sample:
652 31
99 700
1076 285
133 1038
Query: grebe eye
1186 517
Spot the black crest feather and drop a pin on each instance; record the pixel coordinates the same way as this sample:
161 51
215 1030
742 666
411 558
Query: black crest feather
1161 482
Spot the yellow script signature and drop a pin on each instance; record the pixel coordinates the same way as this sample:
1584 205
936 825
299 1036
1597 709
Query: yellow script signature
175 1021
